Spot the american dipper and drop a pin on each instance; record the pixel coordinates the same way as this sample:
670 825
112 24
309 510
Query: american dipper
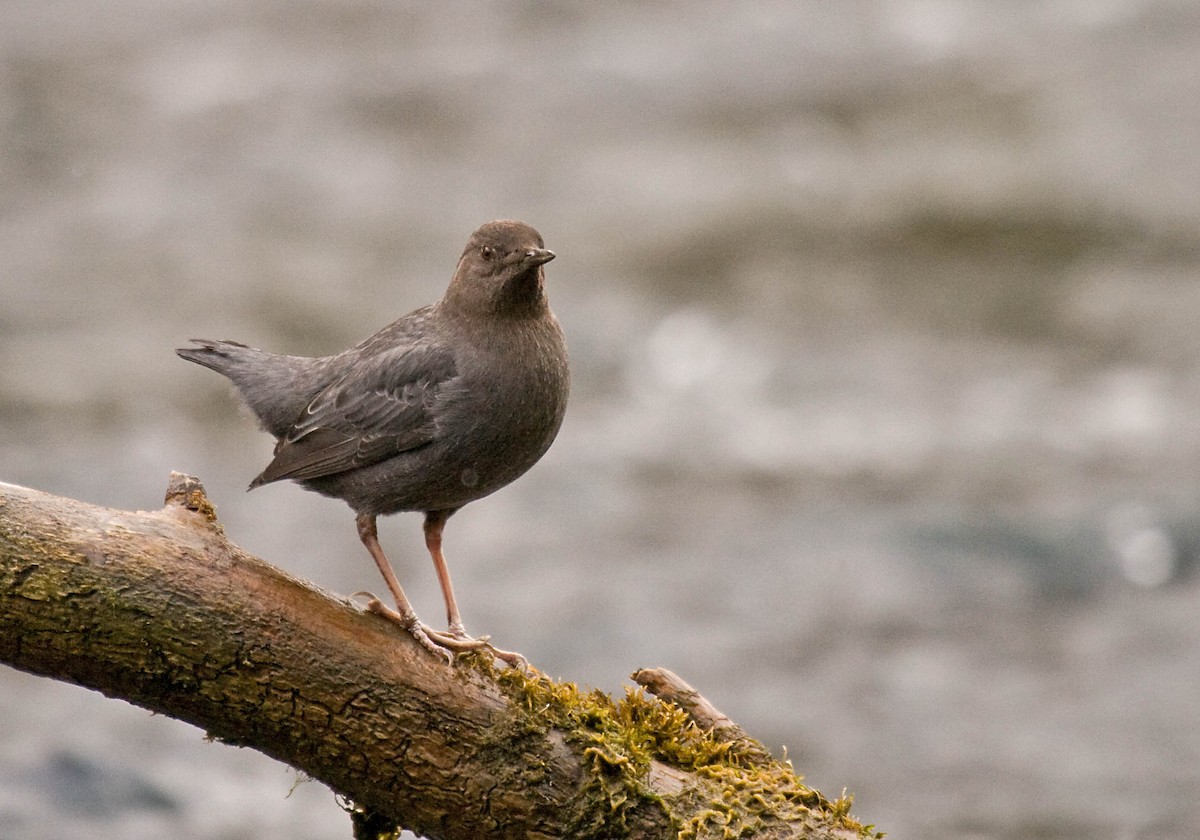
442 407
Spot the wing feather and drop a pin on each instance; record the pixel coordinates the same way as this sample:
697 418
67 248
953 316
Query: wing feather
386 403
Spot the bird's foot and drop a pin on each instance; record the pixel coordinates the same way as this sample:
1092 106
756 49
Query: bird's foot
415 628
443 643
511 658
456 642
457 635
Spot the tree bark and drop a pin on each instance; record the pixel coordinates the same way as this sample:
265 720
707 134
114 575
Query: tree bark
160 609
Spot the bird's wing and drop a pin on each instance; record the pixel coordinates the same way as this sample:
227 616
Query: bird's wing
386 404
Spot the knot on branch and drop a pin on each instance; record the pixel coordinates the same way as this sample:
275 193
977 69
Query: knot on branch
187 492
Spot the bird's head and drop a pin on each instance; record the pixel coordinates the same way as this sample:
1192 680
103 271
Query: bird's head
500 271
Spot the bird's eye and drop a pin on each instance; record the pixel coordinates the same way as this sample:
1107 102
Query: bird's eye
487 252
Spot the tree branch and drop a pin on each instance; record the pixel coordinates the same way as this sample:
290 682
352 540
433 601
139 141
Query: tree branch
160 609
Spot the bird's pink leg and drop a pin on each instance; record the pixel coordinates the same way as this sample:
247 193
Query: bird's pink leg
404 615
435 521
444 645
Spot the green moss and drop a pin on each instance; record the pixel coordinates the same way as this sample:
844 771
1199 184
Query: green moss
735 794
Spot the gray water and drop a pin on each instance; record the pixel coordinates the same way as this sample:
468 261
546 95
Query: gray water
885 328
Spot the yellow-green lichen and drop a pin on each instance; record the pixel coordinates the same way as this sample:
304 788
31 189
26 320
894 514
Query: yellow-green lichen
734 795
195 500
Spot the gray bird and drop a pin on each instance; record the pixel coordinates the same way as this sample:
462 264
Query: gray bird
442 407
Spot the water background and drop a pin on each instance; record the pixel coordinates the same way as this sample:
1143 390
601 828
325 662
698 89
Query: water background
885 328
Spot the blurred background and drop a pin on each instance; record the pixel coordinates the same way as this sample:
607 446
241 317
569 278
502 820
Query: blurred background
885 331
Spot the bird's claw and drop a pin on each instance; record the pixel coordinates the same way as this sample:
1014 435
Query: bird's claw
512 659
431 646
413 626
456 638
444 644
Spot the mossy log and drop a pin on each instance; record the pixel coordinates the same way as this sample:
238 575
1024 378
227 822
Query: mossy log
160 609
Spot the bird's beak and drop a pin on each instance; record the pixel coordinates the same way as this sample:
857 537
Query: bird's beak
538 256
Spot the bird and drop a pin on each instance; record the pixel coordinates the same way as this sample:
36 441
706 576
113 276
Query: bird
436 410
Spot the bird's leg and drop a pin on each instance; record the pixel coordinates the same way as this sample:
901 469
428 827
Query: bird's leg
435 521
435 641
404 615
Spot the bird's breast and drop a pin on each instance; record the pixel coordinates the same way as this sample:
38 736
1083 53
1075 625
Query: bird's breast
507 407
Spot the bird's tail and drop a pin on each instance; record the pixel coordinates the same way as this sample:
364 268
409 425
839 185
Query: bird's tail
276 388
221 356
